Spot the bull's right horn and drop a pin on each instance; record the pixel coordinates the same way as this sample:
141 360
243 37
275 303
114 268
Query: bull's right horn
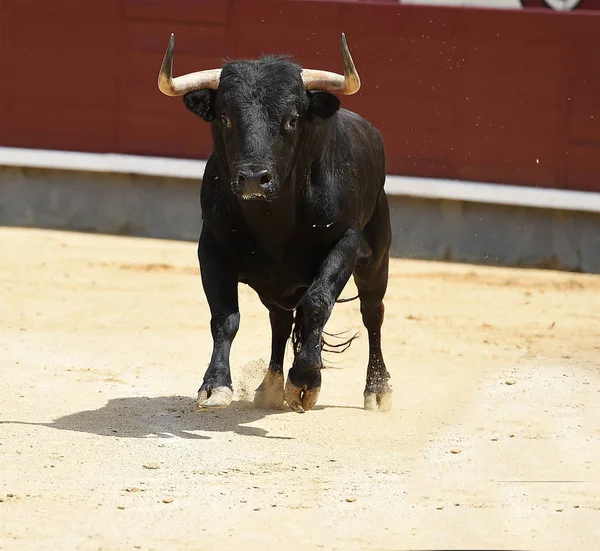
346 84
178 86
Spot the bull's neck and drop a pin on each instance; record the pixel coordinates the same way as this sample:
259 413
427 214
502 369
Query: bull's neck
271 223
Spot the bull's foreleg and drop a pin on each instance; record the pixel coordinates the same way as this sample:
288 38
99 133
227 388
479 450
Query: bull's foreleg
270 392
304 378
220 287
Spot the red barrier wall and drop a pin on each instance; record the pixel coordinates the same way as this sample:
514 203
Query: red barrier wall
489 95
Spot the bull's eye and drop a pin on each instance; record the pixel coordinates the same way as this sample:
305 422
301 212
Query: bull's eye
291 123
225 121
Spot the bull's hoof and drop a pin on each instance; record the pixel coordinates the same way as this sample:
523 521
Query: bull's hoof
378 401
301 399
218 397
270 393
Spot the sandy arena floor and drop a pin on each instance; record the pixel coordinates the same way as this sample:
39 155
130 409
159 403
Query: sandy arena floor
493 440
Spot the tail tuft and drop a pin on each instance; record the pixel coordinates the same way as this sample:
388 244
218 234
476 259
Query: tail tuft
298 334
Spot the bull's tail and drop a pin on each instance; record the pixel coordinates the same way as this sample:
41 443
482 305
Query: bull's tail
342 300
298 335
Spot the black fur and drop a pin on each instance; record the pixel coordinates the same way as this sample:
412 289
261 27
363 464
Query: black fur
201 103
317 214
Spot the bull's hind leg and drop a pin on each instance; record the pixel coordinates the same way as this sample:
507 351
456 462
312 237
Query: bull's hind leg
378 394
220 286
371 278
270 392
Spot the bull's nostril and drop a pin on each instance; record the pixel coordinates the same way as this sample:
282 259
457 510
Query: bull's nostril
253 181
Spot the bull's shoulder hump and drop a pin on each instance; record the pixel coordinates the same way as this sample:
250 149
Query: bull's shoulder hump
350 118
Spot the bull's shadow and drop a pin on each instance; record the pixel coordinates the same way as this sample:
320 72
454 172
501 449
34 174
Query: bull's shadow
163 417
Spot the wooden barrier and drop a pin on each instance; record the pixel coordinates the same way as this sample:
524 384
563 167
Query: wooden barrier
471 94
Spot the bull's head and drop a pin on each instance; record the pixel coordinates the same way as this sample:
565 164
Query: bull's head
260 111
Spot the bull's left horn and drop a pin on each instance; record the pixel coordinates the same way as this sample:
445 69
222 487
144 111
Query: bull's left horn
346 84
179 86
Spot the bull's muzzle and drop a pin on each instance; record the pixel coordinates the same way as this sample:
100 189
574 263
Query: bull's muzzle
254 184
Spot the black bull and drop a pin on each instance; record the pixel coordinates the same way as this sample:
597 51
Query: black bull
293 204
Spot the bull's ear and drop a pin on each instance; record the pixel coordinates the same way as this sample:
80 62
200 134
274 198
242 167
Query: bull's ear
322 104
202 103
